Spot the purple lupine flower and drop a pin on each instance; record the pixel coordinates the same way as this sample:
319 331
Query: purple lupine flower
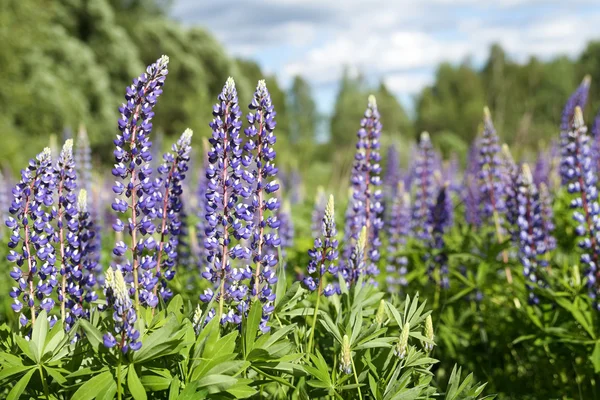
577 99
541 171
286 227
259 149
30 223
4 200
323 256
424 183
492 202
356 263
532 245
318 212
201 204
547 217
471 186
64 214
511 188
171 230
294 184
398 231
393 173
580 178
81 265
125 336
440 219
227 220
135 189
450 174
595 131
367 197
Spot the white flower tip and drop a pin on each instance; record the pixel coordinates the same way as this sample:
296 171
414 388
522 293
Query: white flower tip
587 80
164 60
187 134
486 113
372 101
82 201
527 177
425 137
262 85
230 83
578 118
68 146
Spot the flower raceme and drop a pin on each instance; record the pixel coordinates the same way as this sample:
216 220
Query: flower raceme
135 187
366 210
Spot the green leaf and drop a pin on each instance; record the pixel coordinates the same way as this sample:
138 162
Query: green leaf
252 324
17 390
57 334
595 357
56 375
89 390
17 369
25 347
216 383
93 334
242 391
135 385
176 307
38 336
153 382
174 389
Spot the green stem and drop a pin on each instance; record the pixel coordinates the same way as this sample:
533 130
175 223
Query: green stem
314 321
391 372
46 391
356 378
119 379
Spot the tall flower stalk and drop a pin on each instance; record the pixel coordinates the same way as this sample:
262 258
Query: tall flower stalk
172 172
532 245
580 178
425 185
66 181
264 204
440 219
367 196
31 217
227 219
323 257
132 157
82 265
398 231
491 180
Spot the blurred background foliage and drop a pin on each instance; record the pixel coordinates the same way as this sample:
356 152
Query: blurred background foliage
66 63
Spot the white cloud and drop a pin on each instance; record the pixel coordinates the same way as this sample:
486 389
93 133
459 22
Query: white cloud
399 41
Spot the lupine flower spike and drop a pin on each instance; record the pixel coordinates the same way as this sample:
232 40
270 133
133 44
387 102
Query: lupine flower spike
135 189
425 186
580 178
227 220
440 219
124 315
428 333
398 231
31 217
367 196
532 245
172 172
259 149
402 345
65 215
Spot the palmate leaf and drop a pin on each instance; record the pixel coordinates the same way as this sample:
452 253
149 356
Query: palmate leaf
38 336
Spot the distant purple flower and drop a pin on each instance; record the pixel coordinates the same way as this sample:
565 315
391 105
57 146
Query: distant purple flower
577 99
440 219
260 152
541 172
171 215
492 201
580 178
547 217
318 212
286 228
511 189
323 256
82 265
425 185
398 231
471 187
31 226
367 197
135 189
532 244
393 173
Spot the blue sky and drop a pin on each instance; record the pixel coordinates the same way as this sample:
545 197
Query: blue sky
397 41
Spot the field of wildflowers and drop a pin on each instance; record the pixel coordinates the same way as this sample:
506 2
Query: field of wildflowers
203 277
